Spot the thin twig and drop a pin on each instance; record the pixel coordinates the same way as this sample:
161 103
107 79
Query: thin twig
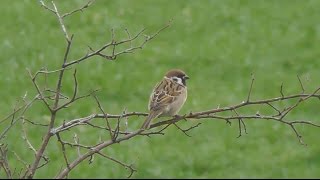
132 170
77 10
77 142
61 22
281 90
112 136
63 150
301 84
25 138
249 94
46 7
4 161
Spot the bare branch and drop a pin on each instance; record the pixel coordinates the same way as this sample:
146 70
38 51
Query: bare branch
249 94
269 104
112 136
297 134
301 84
113 43
76 144
129 37
184 131
54 110
160 30
281 90
94 150
63 150
64 30
98 52
132 170
76 140
77 10
33 78
15 110
85 120
15 117
4 161
72 123
52 97
46 7
110 51
48 72
25 138
147 39
19 159
240 121
117 130
75 85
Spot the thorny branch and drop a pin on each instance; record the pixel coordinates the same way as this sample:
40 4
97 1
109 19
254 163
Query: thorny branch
57 128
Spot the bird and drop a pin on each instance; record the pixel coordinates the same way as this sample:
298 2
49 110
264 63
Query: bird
168 96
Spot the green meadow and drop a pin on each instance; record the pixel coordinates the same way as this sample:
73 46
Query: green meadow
219 44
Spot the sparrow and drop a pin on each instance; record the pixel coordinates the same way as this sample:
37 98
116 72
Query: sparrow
168 96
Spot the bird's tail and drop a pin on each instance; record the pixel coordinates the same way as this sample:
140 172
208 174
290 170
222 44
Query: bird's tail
152 115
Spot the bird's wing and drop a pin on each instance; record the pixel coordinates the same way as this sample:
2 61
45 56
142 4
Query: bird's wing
164 93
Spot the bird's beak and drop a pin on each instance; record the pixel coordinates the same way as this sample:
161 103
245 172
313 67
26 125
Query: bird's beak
186 77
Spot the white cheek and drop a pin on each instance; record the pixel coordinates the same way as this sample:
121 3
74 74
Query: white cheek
179 81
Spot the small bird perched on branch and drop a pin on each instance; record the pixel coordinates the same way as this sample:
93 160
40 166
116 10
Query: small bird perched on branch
168 96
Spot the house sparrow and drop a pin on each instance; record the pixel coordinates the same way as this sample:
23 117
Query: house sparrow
168 96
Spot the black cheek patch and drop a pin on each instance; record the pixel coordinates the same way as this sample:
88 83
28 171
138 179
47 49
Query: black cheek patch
184 82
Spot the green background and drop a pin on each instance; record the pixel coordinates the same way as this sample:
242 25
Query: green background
219 44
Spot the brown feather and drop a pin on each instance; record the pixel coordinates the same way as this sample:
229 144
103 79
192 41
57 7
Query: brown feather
152 115
165 94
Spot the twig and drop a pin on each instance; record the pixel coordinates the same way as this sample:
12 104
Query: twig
186 130
112 136
281 90
19 159
63 150
61 21
98 52
14 120
25 138
46 7
132 170
78 9
34 123
301 84
249 94
4 161
240 120
113 43
183 131
76 141
33 78
94 150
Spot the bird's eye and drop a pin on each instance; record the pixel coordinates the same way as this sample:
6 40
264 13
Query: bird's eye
175 79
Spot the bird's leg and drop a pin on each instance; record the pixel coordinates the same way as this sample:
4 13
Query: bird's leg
177 116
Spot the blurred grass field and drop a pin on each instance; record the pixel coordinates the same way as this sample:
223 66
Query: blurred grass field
219 44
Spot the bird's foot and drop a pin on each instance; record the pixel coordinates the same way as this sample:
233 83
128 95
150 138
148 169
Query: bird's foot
177 116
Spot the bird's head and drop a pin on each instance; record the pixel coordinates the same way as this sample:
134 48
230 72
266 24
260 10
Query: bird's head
178 76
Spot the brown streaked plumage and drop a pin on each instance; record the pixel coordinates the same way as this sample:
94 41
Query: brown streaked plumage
168 96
